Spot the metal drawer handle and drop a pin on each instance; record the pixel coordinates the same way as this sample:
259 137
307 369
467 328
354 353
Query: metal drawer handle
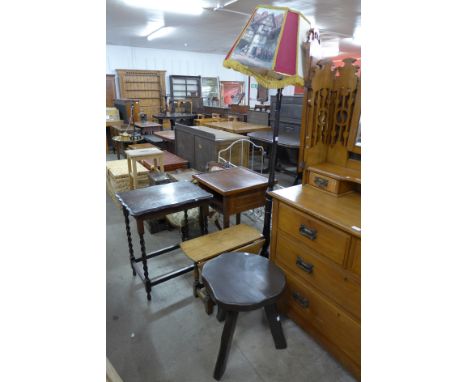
308 232
303 265
320 182
304 302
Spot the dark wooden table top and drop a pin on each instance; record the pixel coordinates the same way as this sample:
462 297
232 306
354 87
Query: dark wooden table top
166 135
284 139
155 199
147 124
232 180
173 115
241 281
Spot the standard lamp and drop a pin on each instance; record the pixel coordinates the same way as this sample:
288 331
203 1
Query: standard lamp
273 48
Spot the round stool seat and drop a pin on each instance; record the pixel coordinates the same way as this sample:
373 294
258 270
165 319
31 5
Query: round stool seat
241 281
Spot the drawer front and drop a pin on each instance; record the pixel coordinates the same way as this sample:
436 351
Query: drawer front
323 182
320 236
332 322
356 256
313 269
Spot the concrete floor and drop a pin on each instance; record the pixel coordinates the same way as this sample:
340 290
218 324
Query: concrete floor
172 339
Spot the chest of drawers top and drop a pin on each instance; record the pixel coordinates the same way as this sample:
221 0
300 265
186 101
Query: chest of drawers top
343 212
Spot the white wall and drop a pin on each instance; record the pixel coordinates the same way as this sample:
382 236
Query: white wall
173 61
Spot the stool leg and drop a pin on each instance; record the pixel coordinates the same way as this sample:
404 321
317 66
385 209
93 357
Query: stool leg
275 326
226 340
221 314
129 238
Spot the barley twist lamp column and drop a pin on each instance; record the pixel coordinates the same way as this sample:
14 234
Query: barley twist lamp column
273 47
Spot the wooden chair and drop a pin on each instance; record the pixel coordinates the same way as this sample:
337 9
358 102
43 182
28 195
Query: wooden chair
201 249
240 282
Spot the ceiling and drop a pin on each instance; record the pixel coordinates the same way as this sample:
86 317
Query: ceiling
215 31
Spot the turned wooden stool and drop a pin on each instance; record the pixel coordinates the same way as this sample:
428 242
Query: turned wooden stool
137 155
240 282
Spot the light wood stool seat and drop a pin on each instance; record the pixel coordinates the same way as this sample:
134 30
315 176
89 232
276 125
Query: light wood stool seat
240 237
137 155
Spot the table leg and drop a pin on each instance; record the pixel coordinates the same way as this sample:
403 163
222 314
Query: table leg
203 218
129 238
147 281
238 218
172 121
118 149
225 220
226 340
275 326
185 227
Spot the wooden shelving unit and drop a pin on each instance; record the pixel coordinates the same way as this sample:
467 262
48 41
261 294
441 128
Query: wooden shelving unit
148 86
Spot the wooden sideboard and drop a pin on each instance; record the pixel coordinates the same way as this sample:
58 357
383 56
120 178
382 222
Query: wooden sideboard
316 240
316 236
201 144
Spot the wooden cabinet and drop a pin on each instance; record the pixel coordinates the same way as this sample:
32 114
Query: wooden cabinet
183 87
147 86
316 241
316 236
200 145
110 90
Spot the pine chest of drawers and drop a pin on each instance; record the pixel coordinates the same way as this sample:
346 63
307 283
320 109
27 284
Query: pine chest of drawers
316 240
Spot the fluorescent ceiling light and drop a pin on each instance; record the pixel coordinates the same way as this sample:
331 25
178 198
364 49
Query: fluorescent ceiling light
189 7
161 32
151 27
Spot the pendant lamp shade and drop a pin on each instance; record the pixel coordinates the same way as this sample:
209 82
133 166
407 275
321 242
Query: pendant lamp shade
271 47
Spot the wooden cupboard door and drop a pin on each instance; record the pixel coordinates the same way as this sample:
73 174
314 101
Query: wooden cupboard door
355 256
320 236
110 90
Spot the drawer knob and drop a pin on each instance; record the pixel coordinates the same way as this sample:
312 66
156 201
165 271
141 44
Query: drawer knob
308 232
303 265
320 182
304 302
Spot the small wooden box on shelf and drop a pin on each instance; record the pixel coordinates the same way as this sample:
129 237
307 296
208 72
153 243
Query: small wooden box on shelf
316 236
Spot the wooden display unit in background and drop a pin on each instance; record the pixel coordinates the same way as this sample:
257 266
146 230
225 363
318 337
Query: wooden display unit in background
147 86
110 90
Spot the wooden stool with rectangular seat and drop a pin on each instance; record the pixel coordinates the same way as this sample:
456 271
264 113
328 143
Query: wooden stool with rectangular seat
137 155
201 249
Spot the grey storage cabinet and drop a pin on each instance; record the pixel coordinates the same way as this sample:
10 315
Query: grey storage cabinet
258 117
201 144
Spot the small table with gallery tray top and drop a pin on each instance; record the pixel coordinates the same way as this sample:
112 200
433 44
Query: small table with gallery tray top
120 143
235 190
156 202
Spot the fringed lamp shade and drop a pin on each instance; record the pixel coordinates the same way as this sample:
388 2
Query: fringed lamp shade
271 47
